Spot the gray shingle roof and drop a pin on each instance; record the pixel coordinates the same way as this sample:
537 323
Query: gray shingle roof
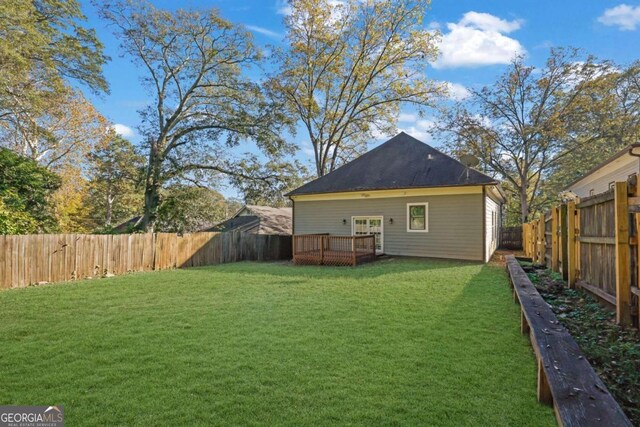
401 162
258 219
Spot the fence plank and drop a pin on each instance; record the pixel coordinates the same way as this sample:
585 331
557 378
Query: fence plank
554 239
571 245
53 258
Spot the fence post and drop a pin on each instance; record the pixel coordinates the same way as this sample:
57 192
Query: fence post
572 245
623 267
554 238
564 241
542 244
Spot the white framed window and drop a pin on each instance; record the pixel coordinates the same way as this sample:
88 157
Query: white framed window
417 217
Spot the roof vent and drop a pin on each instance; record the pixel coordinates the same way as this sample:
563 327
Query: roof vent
429 156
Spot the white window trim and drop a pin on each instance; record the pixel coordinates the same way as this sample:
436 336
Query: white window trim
426 217
381 218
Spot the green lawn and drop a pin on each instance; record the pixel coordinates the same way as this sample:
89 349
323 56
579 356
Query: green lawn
397 342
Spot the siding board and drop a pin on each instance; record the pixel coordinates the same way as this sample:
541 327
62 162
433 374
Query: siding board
491 231
455 223
598 181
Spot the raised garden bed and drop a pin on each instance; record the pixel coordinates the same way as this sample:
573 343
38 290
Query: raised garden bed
614 352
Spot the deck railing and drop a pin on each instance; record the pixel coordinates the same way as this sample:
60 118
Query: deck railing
323 249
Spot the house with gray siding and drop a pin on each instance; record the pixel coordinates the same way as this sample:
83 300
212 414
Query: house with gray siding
416 200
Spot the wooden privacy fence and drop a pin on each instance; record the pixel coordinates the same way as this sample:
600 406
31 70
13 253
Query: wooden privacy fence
511 237
40 258
566 379
593 243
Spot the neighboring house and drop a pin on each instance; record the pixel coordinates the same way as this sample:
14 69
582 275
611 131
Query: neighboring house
128 225
415 199
258 220
620 167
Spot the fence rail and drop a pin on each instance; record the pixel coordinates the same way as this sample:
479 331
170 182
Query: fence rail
37 258
322 249
593 242
566 379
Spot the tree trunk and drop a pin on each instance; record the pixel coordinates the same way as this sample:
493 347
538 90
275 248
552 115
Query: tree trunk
152 190
524 205
109 213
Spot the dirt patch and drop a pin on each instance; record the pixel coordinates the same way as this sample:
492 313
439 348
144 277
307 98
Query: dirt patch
614 352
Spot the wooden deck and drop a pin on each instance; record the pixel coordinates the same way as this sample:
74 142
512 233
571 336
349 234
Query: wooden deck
323 249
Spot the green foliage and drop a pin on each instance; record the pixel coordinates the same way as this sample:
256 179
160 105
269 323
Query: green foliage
535 124
284 177
115 187
612 115
25 190
186 208
400 342
613 351
43 48
14 221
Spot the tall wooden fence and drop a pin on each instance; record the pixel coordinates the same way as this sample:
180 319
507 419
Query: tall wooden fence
511 237
39 258
593 243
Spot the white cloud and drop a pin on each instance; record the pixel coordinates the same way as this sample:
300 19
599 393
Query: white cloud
407 117
488 22
625 17
307 149
264 31
457 92
283 7
124 130
420 129
477 40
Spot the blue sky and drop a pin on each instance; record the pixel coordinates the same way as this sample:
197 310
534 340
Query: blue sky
479 38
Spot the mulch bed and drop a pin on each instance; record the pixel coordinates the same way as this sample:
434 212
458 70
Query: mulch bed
614 352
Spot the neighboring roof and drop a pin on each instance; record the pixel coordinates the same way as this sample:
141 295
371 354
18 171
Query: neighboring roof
127 225
625 151
237 223
265 219
401 162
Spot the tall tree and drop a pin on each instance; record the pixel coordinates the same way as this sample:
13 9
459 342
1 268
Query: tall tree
190 208
259 192
528 121
349 66
195 65
116 170
25 193
612 117
60 135
43 46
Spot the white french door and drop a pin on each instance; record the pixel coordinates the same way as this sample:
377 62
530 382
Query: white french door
365 225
